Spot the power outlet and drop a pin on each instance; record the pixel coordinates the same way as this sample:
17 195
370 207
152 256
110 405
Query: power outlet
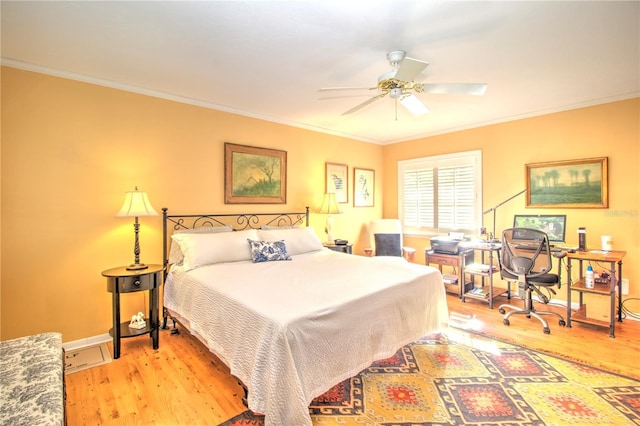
625 287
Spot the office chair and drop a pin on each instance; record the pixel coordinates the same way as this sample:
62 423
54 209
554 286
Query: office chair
386 238
526 258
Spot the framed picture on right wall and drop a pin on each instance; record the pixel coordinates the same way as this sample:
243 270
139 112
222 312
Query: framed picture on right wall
363 187
568 184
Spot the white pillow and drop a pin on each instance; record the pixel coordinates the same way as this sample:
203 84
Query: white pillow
297 240
207 249
175 254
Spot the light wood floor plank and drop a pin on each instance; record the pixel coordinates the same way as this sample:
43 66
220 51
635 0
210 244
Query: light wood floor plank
182 383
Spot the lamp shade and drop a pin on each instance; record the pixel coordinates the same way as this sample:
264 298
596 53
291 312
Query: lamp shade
136 203
330 204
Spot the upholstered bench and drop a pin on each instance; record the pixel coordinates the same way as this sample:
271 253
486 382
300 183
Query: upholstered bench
32 380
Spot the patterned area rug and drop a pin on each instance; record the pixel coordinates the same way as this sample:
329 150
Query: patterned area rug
465 379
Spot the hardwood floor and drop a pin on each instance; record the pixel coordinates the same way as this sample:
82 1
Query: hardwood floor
182 383
582 342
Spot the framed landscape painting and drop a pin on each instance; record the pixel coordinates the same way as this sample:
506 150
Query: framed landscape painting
568 184
254 175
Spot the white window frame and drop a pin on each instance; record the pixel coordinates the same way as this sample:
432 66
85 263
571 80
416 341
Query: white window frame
433 162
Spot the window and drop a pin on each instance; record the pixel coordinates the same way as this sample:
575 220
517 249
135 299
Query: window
441 194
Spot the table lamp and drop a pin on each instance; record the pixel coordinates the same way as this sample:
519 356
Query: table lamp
330 207
136 203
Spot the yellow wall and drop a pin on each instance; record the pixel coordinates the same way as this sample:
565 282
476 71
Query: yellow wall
609 130
71 150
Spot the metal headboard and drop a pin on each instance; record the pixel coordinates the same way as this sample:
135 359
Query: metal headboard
238 221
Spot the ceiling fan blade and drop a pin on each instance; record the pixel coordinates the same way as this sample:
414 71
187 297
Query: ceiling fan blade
326 89
364 104
455 88
414 105
409 69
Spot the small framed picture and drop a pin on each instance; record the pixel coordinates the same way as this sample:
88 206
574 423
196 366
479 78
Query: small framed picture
363 187
337 181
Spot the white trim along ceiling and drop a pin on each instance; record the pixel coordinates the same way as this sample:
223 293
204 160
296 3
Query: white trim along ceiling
268 59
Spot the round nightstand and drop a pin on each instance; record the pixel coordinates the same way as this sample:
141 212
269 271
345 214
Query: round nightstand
121 280
343 248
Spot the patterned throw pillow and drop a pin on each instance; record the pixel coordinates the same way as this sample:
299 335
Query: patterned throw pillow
267 251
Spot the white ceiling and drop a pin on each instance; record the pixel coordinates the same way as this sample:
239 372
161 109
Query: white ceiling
267 59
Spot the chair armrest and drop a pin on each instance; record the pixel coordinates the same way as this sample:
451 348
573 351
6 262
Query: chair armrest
560 255
408 253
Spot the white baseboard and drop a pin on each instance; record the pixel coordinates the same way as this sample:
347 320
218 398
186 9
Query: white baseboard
87 341
574 305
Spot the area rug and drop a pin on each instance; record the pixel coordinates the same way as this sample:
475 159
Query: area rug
90 356
460 378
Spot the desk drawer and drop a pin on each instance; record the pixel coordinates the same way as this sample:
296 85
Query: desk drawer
450 260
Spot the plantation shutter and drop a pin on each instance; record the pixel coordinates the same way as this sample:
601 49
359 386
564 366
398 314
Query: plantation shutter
418 200
440 194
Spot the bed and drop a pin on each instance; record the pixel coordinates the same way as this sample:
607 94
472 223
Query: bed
289 317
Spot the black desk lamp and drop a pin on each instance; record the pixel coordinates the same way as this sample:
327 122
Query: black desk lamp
493 209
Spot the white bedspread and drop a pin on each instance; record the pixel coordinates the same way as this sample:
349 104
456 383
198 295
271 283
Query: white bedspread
290 330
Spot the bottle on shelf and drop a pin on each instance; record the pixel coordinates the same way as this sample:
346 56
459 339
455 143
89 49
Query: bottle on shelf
589 280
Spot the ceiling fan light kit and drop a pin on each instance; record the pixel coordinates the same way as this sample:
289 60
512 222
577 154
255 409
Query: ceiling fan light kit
399 84
396 92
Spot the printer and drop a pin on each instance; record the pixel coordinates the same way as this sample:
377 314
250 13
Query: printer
449 244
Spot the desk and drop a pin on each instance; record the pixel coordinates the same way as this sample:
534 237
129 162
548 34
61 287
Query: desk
486 271
612 258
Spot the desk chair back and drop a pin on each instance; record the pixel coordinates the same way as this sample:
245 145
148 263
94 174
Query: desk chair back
525 252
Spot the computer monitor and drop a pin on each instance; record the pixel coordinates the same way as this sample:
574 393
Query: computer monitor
553 224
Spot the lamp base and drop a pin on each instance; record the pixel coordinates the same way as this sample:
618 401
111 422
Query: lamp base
136 267
329 229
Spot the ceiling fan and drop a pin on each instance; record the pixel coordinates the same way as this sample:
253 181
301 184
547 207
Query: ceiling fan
399 85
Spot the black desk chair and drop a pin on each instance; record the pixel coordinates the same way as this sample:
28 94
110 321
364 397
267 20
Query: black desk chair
526 258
